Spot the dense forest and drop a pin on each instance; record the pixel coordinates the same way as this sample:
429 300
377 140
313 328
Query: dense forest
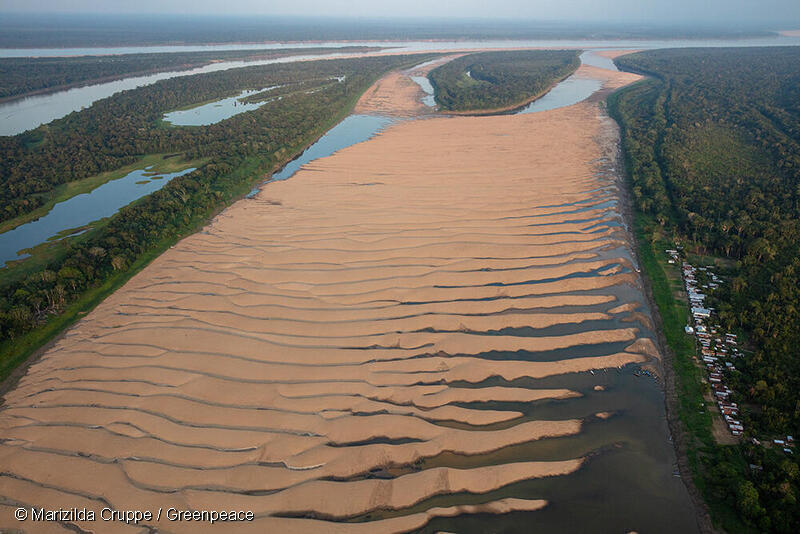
68 30
116 130
499 80
712 139
20 75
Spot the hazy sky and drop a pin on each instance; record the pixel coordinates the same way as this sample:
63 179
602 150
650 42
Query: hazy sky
784 12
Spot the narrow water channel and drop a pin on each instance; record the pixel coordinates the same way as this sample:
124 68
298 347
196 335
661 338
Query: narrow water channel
218 110
21 115
81 210
573 89
110 197
429 99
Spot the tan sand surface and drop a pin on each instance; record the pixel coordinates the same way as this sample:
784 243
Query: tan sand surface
397 95
305 353
613 54
611 79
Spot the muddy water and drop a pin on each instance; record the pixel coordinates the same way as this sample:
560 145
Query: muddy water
440 328
216 111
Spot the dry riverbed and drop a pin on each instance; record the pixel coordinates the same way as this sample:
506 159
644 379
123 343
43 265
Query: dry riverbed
316 352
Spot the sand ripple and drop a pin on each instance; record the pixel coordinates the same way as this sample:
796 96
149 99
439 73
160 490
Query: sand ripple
306 353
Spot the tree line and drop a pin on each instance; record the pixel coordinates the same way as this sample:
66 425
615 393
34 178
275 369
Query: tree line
499 80
712 139
115 130
24 75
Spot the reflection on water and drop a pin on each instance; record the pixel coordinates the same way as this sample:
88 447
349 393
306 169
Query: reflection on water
81 210
216 111
352 130
570 91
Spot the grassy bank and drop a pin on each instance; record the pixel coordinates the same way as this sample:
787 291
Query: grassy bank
688 407
79 187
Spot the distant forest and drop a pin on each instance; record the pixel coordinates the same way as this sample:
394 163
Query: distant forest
21 76
712 139
30 31
499 80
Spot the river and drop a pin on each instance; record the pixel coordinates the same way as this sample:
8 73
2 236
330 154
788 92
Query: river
456 295
21 115
110 197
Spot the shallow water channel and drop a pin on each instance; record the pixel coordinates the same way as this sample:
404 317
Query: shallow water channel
21 115
628 482
80 210
352 130
429 99
18 116
216 111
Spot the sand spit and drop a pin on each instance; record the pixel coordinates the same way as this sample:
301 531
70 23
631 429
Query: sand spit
397 95
306 353
611 79
613 54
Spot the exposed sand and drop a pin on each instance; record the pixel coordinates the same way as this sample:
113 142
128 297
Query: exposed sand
611 79
301 355
790 33
397 95
613 54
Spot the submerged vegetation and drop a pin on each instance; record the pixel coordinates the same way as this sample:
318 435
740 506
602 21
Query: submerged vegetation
491 81
42 295
712 141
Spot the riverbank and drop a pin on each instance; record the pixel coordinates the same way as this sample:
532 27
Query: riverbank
690 422
177 67
238 183
397 95
158 163
305 354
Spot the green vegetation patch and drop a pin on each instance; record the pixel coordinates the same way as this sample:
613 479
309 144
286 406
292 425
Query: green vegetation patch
68 190
712 145
21 76
42 295
495 81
